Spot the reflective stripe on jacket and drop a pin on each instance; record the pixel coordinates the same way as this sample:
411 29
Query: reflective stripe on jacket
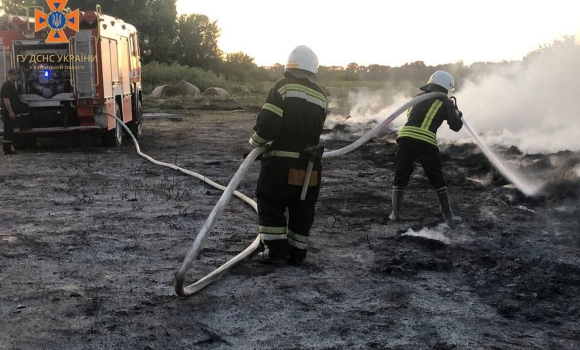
426 117
292 118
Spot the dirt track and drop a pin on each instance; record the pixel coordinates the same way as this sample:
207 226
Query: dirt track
90 239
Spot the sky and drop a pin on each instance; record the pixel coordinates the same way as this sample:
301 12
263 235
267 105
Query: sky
388 32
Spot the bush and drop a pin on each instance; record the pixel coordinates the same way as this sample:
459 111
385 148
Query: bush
155 74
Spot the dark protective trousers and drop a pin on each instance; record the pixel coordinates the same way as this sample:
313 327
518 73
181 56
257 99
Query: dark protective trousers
274 196
409 150
8 132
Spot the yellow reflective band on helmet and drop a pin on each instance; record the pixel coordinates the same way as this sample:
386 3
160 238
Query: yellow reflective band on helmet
276 110
298 87
282 154
258 139
409 112
270 229
431 114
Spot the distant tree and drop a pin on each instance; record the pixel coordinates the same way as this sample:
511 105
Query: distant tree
563 44
327 73
240 59
160 26
353 67
196 42
274 72
18 7
277 68
156 18
238 66
376 72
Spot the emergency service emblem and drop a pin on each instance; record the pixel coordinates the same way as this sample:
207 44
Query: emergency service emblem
57 20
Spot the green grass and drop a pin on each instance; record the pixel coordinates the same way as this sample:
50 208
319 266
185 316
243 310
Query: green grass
184 104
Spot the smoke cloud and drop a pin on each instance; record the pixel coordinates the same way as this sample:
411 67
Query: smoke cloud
533 105
436 233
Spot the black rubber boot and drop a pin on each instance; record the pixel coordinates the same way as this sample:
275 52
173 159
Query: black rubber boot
297 256
274 252
266 258
397 201
445 207
7 147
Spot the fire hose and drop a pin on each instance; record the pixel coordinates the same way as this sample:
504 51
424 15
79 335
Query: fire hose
522 185
180 288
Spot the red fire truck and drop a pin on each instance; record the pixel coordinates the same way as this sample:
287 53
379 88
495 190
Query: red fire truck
68 85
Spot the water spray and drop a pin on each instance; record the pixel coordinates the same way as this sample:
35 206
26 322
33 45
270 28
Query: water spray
522 185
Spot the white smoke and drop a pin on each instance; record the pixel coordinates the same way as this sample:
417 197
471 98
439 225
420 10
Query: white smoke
533 105
367 110
435 233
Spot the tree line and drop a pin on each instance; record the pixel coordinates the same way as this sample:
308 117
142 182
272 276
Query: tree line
191 40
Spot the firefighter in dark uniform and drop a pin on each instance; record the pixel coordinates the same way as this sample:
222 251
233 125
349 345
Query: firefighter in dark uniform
291 121
12 106
418 140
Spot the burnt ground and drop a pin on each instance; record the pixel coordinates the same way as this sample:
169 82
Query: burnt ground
90 239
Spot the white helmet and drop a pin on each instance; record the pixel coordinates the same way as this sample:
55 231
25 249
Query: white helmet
441 78
302 57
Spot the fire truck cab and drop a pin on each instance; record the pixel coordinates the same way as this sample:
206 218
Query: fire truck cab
68 85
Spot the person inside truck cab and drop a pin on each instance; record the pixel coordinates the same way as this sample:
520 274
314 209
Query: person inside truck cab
12 106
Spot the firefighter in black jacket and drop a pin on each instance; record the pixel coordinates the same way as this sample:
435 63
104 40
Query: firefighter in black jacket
11 107
418 140
291 121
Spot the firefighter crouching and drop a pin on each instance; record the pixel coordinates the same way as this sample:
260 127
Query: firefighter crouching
12 107
291 120
418 140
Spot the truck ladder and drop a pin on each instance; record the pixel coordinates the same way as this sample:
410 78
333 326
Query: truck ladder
4 66
84 72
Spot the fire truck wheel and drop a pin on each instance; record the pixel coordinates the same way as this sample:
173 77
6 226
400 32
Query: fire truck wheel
114 137
137 123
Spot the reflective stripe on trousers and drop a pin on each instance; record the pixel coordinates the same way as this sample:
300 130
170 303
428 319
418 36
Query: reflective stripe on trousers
297 241
269 233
